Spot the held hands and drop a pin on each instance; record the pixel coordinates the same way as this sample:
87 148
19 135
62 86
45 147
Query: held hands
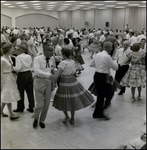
53 77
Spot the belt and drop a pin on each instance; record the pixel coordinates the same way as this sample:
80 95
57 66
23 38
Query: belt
42 77
23 72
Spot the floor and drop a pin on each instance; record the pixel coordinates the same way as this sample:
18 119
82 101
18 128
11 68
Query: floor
126 122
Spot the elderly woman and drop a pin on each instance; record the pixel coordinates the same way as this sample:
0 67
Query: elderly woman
70 95
9 90
135 77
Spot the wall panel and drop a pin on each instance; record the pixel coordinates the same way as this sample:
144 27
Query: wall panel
36 20
65 19
136 18
6 21
118 17
78 19
89 17
103 16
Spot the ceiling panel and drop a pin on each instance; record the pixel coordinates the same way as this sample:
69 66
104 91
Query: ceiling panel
69 5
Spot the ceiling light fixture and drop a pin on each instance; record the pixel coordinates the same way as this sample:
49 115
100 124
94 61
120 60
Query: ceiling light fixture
123 3
98 4
52 3
102 8
142 6
86 3
133 4
143 1
6 4
66 4
109 1
20 3
110 5
70 1
36 4
34 1
3 1
11 6
120 7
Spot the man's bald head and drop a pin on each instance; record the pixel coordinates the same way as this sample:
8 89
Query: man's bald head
107 46
126 44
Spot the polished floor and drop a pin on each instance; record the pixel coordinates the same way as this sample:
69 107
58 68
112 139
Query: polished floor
126 122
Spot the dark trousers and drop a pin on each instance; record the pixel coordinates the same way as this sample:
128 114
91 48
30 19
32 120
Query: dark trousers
25 83
104 91
120 74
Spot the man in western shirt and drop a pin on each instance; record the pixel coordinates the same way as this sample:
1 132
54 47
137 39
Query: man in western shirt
43 66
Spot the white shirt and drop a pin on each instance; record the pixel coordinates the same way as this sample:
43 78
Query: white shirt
23 63
121 56
15 31
8 31
70 43
58 53
139 37
127 36
40 66
3 39
102 38
75 35
18 42
103 62
91 36
27 31
133 40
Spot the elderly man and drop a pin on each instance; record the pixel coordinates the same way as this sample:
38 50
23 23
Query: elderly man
24 78
123 62
43 66
102 63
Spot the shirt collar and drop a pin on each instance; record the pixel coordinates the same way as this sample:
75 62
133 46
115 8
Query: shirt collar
104 51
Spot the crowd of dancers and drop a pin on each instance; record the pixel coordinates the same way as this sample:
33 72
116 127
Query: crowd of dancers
25 69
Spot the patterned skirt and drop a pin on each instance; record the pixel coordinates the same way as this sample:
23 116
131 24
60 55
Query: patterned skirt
93 47
134 77
84 43
9 89
71 95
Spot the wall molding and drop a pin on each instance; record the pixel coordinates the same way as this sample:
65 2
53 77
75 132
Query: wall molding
6 16
35 14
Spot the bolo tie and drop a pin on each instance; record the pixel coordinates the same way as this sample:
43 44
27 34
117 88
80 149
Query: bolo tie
47 62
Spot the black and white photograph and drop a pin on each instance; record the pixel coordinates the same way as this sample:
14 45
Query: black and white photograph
73 74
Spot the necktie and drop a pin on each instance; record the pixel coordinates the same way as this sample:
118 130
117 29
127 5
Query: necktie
47 62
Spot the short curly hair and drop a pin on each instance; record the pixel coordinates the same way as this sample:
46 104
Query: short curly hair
6 48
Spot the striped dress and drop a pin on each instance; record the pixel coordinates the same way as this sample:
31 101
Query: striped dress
70 95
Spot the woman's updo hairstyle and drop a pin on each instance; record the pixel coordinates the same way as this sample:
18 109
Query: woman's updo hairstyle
66 52
6 48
